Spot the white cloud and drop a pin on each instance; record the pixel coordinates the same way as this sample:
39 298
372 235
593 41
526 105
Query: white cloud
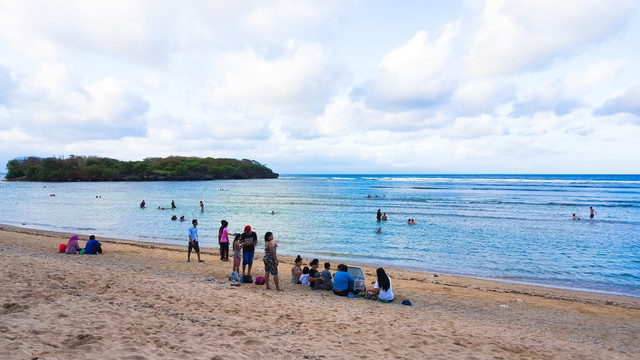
627 101
481 97
520 35
418 74
52 102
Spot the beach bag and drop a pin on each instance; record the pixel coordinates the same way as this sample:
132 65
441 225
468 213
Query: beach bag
259 280
62 248
246 279
234 276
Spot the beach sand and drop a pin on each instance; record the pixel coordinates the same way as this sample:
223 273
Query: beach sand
144 301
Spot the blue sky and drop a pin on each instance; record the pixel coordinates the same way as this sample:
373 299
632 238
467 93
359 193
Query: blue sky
327 86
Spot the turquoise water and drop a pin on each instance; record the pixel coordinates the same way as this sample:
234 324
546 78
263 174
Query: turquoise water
507 227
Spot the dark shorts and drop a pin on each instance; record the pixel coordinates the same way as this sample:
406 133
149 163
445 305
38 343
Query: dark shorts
270 266
341 292
591 216
194 245
247 258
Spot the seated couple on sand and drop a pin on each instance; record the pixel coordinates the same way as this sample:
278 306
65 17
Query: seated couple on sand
93 247
311 276
343 284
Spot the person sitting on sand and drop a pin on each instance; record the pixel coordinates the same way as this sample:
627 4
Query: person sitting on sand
342 281
296 271
193 240
326 283
72 246
304 278
575 217
315 277
270 260
382 286
92 247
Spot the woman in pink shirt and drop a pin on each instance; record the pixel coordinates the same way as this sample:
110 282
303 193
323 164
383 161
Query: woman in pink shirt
223 240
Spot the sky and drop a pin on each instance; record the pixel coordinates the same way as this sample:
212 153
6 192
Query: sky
327 87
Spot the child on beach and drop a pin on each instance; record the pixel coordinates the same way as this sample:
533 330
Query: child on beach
326 284
304 278
237 252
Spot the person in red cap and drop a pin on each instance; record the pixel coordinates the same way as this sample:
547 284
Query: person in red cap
250 239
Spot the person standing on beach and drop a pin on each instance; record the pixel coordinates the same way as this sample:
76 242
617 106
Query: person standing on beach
379 215
193 240
249 240
270 260
592 212
223 240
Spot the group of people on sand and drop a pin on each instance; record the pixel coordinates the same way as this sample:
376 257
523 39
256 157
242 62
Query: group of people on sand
243 251
92 247
341 282
592 214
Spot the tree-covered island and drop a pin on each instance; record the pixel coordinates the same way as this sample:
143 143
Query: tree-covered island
173 168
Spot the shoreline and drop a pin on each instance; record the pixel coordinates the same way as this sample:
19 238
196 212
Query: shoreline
289 260
477 283
142 300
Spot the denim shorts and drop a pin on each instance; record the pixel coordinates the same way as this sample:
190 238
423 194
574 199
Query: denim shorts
247 258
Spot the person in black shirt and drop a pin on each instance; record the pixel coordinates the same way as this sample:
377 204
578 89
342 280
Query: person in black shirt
250 239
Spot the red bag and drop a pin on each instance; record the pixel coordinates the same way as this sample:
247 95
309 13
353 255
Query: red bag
63 248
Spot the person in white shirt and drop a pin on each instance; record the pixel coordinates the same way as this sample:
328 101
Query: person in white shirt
382 287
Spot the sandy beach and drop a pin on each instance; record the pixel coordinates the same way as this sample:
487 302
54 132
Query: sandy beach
144 301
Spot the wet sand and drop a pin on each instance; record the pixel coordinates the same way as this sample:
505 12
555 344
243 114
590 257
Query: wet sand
144 301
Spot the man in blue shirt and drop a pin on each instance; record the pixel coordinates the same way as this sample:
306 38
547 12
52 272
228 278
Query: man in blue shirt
193 240
342 281
93 246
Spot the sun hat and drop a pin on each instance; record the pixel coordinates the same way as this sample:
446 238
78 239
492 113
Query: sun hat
247 228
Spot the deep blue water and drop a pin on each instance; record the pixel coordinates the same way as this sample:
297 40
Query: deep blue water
507 227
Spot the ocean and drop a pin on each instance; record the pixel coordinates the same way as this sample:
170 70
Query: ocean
514 228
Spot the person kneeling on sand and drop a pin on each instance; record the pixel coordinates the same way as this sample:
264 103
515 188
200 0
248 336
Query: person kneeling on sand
72 246
270 260
382 287
342 281
93 246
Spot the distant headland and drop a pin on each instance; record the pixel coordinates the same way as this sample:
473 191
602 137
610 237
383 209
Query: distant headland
172 168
